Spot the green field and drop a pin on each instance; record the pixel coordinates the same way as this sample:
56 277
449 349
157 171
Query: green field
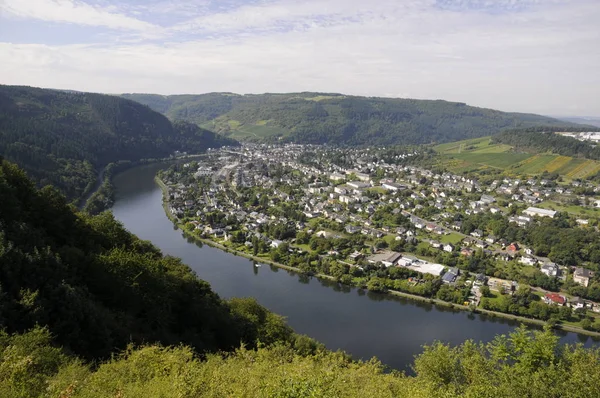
572 209
497 160
239 130
480 153
452 238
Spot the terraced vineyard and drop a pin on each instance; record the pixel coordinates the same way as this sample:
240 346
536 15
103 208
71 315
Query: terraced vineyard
481 153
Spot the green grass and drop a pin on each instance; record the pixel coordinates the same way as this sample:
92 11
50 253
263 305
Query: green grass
496 160
324 97
572 209
535 164
453 238
459 146
379 190
499 148
480 153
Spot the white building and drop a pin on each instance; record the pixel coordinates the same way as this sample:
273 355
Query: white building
536 211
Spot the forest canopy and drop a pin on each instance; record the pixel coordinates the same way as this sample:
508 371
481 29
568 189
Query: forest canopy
325 118
65 138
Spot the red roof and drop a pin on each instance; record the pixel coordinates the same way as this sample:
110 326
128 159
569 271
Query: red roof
555 297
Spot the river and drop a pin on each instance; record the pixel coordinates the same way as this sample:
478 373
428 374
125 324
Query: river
362 323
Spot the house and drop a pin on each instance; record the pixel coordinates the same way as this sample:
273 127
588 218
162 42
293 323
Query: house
513 247
450 276
536 211
487 199
356 256
276 243
477 233
555 298
352 229
448 247
528 260
466 252
582 276
550 269
577 303
491 239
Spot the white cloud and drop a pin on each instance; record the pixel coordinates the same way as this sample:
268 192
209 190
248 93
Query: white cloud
544 59
74 12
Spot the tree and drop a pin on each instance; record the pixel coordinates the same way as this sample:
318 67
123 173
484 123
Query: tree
485 291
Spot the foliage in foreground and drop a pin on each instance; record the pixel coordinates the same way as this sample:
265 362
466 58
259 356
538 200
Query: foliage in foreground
524 364
97 287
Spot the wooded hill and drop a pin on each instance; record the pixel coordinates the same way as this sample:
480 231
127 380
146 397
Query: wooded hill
65 138
320 118
89 310
546 140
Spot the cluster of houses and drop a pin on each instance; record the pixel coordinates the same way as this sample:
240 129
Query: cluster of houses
349 194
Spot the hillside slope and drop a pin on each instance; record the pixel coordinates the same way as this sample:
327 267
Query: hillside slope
98 288
65 138
337 119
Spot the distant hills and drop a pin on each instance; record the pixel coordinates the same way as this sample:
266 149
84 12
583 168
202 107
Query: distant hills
591 121
324 118
64 138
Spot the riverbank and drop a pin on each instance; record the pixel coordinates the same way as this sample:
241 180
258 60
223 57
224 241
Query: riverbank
101 197
437 302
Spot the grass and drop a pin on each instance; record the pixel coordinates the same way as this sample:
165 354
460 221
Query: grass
324 97
379 190
480 153
453 238
535 164
499 160
459 146
572 209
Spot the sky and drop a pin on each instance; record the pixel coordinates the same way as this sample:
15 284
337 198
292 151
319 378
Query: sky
540 56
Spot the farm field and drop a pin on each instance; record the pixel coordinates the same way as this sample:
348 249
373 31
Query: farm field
481 153
239 130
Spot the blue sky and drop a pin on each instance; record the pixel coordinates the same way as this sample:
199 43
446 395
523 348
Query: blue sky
538 56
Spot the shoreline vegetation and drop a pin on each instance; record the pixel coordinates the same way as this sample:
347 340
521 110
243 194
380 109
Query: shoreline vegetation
101 197
433 301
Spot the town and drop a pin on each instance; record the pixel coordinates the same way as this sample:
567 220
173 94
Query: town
387 219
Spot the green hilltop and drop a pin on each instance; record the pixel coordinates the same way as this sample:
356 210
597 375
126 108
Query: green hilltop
325 118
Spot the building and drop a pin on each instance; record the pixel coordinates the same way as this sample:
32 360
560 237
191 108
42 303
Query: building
405 261
582 276
536 211
550 269
555 298
450 275
391 186
386 258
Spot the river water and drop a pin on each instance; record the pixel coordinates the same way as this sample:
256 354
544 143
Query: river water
362 323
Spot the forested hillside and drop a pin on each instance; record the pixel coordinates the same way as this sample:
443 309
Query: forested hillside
89 310
98 288
545 140
320 118
65 138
